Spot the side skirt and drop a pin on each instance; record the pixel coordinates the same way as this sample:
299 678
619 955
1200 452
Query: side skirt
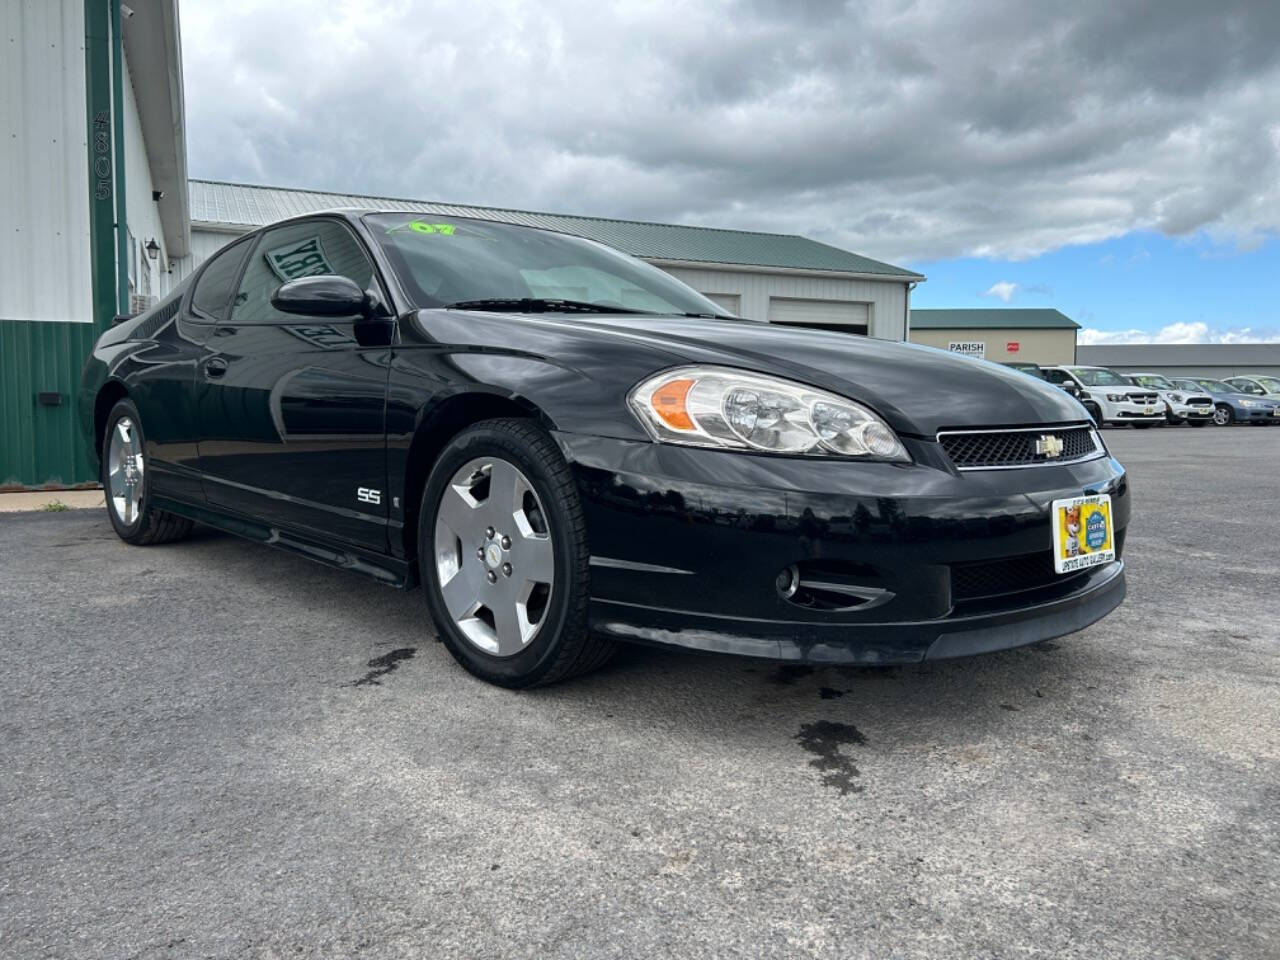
386 570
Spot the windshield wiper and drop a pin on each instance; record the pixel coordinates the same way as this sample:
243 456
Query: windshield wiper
539 305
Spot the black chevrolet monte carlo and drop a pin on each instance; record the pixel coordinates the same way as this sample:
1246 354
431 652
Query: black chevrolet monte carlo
567 448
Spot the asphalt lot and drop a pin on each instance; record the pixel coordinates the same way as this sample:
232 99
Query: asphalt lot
215 749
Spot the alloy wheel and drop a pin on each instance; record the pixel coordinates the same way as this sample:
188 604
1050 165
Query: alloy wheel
494 556
1221 416
125 467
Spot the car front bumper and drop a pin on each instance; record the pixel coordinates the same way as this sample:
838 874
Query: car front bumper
1184 412
687 546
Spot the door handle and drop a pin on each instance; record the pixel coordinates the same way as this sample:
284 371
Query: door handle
215 367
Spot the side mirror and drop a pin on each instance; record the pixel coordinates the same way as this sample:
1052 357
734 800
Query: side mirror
326 295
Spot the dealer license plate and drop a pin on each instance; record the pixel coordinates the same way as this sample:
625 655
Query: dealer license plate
1082 533
1148 410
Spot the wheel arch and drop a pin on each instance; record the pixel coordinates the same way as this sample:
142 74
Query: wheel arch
447 419
109 394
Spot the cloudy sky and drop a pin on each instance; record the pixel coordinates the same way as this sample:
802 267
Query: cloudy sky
1118 159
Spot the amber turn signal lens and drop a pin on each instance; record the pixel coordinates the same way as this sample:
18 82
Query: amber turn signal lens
668 403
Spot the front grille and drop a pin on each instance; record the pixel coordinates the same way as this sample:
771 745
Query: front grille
1026 447
990 578
1142 397
1029 571
1198 402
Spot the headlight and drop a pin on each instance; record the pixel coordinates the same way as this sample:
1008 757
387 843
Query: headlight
734 409
1175 397
1251 404
1117 397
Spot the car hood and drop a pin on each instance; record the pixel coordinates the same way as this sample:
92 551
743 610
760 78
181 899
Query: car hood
918 390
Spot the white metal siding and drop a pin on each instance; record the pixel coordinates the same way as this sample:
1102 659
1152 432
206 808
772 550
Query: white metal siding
822 312
886 299
44 167
141 211
729 301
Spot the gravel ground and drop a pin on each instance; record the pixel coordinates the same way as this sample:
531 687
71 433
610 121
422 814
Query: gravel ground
214 749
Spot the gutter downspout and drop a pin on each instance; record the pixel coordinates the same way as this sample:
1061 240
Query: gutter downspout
906 308
117 124
103 295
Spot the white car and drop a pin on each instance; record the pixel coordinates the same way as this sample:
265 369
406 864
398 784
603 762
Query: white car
1180 407
1109 397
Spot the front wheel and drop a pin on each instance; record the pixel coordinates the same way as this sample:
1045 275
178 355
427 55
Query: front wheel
1095 412
1222 415
503 550
126 486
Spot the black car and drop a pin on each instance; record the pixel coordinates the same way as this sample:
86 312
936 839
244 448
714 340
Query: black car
568 447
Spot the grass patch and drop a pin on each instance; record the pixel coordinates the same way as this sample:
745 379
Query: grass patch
55 506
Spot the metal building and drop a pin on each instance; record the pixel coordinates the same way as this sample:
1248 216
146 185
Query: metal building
93 205
1005 335
1215 360
781 278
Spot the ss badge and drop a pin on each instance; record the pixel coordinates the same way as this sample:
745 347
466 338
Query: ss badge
366 495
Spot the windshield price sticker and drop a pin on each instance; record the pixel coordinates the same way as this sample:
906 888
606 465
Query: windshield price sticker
304 259
1082 533
430 229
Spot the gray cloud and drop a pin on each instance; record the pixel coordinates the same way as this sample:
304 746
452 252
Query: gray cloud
906 131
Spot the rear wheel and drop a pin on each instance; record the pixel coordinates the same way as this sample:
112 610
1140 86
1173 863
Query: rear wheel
124 482
1222 415
503 551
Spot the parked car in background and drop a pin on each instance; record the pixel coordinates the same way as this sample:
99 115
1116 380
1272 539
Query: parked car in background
1232 406
1257 386
1195 407
1109 397
1037 371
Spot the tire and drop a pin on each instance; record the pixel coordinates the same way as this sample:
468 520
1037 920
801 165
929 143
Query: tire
1096 413
507 584
1223 415
124 483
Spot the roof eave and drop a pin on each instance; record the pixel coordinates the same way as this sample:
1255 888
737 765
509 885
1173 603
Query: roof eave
152 42
788 271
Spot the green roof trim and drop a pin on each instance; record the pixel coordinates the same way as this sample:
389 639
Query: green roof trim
992 318
243 205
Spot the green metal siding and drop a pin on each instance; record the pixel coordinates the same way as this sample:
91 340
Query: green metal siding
38 444
992 318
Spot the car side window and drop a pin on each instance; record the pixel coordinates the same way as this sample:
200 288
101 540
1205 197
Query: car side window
217 282
1246 386
305 249
1056 376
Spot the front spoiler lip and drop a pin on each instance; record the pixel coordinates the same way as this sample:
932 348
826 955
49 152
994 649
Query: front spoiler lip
868 643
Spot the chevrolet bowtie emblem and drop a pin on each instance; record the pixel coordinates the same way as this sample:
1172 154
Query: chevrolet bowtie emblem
1049 445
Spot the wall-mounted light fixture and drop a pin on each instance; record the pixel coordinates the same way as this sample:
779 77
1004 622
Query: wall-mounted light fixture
152 248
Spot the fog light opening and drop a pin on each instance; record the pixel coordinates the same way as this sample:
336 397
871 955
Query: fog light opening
789 581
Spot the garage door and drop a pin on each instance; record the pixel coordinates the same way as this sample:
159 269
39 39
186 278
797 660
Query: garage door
843 314
729 301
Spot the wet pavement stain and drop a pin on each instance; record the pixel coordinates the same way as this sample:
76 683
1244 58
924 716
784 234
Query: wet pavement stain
383 665
786 675
824 739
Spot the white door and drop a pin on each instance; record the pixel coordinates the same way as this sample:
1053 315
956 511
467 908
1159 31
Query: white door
731 302
820 313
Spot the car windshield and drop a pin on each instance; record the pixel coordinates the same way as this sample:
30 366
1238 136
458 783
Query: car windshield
1151 381
1099 377
1270 384
1216 386
482 265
